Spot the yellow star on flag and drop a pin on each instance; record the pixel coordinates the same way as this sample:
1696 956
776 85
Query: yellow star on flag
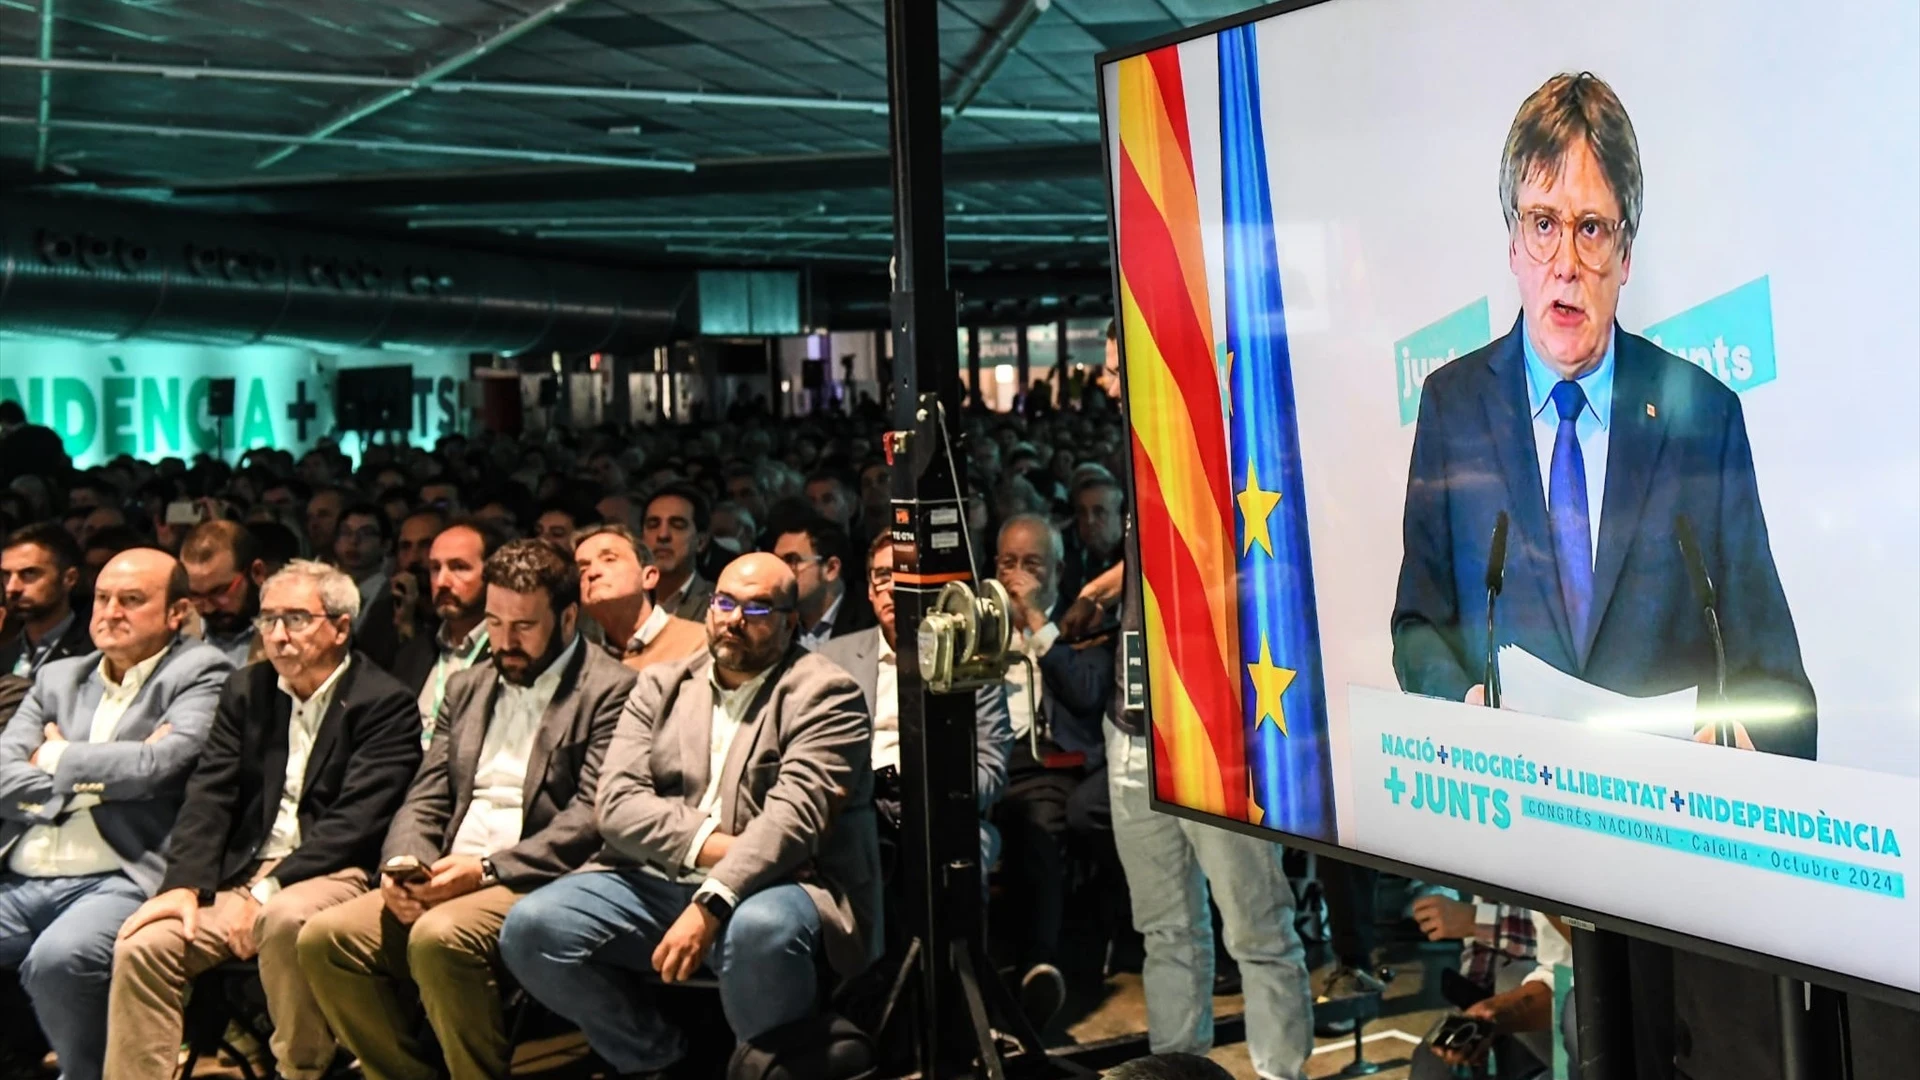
1269 682
1256 506
1255 812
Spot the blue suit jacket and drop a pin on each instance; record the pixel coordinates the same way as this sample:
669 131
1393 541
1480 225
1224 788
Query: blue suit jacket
1677 444
1079 683
140 786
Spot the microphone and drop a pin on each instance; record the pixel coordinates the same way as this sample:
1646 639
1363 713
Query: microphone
1703 595
1496 578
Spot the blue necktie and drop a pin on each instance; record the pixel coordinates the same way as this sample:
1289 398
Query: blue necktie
1567 513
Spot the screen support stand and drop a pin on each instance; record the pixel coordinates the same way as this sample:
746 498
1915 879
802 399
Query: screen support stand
1796 1043
959 994
1602 992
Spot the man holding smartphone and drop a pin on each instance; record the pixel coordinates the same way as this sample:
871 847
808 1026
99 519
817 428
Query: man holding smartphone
502 804
1525 1014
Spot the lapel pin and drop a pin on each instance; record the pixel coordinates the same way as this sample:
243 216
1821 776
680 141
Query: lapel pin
1651 411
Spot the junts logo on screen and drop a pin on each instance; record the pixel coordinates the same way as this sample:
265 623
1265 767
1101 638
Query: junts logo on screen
1729 337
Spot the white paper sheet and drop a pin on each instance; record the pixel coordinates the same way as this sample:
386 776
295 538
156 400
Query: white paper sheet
1531 685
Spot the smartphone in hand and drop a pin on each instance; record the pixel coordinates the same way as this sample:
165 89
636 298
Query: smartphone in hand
406 870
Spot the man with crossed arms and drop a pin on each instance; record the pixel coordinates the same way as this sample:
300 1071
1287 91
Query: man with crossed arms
92 768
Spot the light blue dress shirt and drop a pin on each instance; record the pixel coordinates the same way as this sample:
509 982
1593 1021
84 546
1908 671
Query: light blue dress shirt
1591 429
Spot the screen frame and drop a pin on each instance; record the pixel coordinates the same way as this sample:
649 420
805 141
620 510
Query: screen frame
1767 962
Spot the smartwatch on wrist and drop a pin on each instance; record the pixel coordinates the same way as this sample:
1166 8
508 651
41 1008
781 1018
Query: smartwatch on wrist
716 905
489 877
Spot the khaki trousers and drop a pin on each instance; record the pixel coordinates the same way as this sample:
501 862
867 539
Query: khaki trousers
367 970
153 969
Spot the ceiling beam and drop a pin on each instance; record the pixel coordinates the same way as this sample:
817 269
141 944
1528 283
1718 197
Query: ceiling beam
102 127
403 87
46 87
486 45
641 221
884 235
1003 47
716 176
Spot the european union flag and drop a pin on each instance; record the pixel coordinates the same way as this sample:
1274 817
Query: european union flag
1282 688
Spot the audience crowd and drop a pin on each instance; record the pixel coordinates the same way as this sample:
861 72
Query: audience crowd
578 715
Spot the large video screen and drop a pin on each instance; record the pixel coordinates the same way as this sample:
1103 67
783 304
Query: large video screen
1485 354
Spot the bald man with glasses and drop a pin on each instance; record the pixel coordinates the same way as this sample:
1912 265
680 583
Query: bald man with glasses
737 816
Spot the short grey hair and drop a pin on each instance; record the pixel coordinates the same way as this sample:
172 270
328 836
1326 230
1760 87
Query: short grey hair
338 594
1056 547
1571 108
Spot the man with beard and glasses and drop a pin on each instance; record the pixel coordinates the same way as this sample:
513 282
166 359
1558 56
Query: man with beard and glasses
40 571
224 574
308 756
738 819
502 804
456 564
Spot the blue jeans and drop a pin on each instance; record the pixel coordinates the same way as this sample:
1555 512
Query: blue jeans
1171 864
59 933
582 944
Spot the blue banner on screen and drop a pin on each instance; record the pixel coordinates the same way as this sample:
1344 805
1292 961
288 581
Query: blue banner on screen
1283 698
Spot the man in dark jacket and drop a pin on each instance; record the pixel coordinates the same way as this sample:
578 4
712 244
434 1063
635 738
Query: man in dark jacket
40 575
307 759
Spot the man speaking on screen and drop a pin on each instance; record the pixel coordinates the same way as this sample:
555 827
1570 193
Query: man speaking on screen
1602 450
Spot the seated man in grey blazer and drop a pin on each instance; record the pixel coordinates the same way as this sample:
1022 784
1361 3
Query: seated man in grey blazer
503 802
868 655
92 771
738 820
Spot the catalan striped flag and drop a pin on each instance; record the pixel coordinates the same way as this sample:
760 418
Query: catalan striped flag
1285 712
1182 473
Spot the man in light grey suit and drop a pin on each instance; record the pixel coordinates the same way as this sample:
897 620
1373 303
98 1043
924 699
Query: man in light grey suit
868 655
503 803
738 820
93 768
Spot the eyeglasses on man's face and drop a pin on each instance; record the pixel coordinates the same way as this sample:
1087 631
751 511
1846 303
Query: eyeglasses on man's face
725 606
796 561
296 622
881 578
1032 564
1595 238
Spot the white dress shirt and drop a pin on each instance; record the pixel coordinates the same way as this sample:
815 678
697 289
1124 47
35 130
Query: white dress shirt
649 628
886 708
729 711
1034 643
74 847
303 727
497 813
